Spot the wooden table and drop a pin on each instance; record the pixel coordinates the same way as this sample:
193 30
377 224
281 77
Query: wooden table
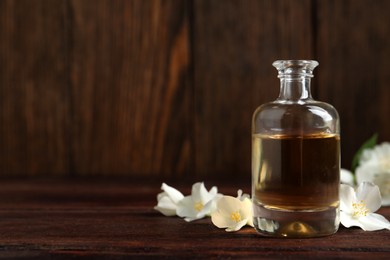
43 219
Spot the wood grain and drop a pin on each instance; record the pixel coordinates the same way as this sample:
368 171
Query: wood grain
41 219
235 43
129 82
167 88
354 50
34 100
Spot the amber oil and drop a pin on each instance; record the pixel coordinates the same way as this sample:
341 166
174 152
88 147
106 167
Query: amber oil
296 184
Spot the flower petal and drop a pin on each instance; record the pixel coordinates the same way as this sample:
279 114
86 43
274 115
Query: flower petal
347 197
380 152
370 194
383 182
366 171
221 220
210 206
204 195
386 201
189 219
160 195
204 211
173 193
241 196
199 192
346 177
237 226
247 211
165 211
213 191
185 208
348 221
373 222
166 206
228 204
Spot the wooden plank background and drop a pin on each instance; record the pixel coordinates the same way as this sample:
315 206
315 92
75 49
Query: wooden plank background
167 88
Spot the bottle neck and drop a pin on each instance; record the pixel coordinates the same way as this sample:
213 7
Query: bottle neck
294 89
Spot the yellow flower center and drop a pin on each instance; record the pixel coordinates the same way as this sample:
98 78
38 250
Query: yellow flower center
198 206
236 216
359 209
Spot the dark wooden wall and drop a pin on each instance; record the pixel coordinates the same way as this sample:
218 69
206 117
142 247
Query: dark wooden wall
167 88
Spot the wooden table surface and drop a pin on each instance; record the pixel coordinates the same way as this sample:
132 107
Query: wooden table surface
42 219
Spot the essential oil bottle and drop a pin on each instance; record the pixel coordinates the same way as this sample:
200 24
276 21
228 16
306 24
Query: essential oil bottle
295 159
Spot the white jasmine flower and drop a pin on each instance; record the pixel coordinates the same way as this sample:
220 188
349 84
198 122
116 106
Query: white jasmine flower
168 200
374 166
346 177
232 213
357 209
199 204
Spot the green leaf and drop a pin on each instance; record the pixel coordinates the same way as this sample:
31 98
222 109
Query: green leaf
370 143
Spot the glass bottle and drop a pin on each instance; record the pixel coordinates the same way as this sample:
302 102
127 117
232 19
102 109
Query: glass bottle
295 159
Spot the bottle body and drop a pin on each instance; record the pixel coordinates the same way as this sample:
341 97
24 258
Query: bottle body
295 160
